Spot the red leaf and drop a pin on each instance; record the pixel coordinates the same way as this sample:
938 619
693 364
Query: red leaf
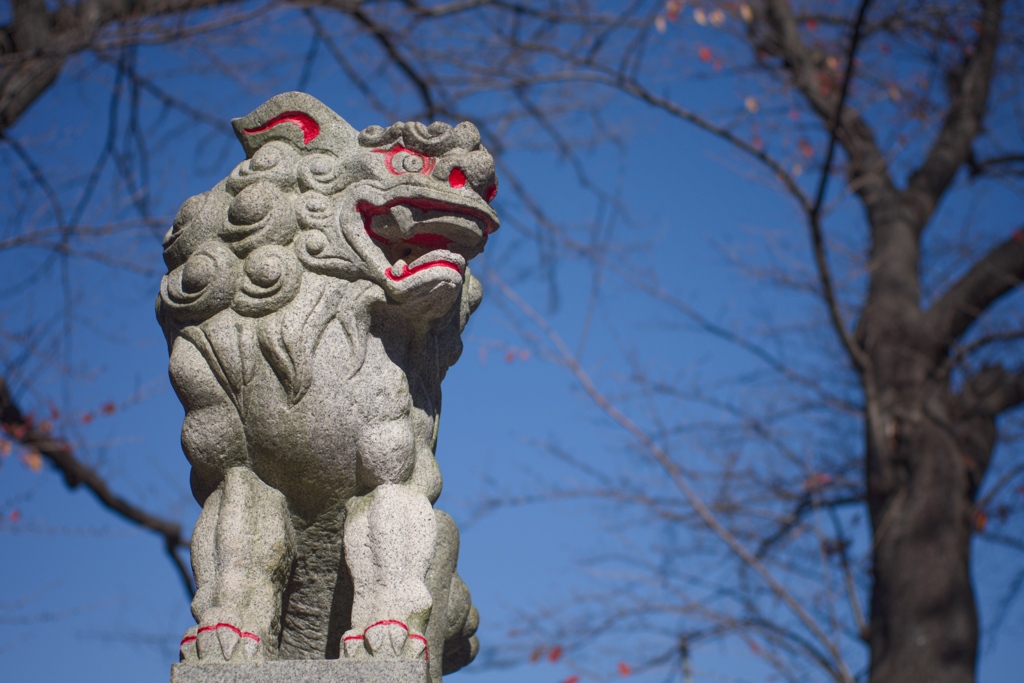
108 408
705 54
510 356
624 669
87 418
980 521
572 679
536 655
811 24
15 515
817 480
805 148
555 653
32 460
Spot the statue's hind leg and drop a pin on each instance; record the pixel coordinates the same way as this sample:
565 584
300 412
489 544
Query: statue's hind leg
242 551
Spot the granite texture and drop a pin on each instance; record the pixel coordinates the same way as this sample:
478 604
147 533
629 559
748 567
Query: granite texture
313 303
302 671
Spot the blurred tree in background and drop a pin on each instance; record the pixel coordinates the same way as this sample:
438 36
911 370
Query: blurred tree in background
883 387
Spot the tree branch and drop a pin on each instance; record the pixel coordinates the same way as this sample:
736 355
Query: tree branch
1002 165
37 42
969 87
994 389
991 277
775 32
76 473
390 45
857 356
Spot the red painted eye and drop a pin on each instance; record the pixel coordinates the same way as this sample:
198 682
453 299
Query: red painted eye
399 160
490 193
457 178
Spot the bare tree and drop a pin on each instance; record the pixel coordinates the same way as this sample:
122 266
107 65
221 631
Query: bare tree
910 103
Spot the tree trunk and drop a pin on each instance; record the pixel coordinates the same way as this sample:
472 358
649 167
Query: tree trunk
922 480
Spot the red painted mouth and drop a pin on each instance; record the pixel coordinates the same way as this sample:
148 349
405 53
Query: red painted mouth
424 239
407 271
368 210
422 233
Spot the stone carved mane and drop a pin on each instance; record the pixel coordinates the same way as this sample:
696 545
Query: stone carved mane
314 301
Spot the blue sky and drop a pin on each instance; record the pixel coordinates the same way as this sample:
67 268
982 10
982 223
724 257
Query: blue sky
88 598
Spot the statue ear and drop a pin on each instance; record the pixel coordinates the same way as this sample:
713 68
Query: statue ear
299 119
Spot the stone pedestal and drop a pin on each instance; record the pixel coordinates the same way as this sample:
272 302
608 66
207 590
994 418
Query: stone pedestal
303 671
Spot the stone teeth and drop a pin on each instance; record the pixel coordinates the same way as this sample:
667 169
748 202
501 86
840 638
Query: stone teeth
398 268
440 255
403 216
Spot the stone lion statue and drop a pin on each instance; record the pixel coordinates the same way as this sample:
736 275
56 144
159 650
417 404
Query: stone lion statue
313 302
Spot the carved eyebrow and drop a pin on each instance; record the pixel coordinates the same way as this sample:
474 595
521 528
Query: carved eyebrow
310 128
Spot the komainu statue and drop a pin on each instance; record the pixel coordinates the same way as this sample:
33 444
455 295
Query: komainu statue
314 301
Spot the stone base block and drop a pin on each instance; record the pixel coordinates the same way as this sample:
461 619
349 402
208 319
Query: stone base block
303 671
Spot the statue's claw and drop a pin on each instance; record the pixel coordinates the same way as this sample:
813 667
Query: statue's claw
352 643
207 645
228 641
188 651
250 646
388 638
219 641
417 646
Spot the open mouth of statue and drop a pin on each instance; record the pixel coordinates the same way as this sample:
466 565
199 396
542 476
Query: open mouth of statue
417 234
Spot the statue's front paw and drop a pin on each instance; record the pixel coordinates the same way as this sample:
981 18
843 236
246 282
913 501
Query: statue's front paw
389 638
188 650
218 640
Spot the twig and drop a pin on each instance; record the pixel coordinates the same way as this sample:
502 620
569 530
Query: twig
60 453
860 359
839 670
